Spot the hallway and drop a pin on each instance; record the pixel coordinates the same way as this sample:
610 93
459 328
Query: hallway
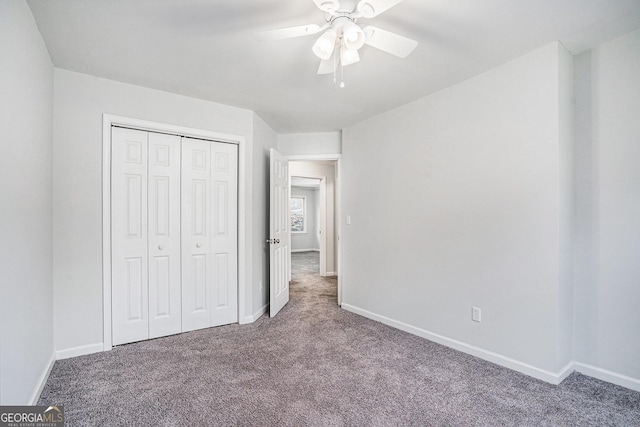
305 262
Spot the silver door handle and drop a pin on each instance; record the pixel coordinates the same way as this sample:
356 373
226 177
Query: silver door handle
198 245
161 247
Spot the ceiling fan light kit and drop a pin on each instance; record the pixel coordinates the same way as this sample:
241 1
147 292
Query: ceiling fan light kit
352 36
325 45
343 36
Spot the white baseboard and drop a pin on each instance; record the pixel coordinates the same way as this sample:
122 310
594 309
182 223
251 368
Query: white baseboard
507 362
42 380
330 273
608 376
566 371
304 250
79 351
255 316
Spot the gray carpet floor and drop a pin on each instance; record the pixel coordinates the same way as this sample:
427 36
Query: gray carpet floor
315 364
305 262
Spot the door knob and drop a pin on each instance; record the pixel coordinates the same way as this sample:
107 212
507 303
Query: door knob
161 247
198 245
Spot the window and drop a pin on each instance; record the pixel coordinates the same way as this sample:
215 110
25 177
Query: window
298 214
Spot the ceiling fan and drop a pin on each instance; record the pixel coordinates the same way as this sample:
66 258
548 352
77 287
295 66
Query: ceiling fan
342 37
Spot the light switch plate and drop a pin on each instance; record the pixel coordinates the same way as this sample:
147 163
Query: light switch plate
476 314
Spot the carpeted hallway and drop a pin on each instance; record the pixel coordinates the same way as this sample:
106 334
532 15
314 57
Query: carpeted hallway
315 364
305 262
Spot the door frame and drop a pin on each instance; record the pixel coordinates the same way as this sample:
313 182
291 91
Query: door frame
337 207
109 120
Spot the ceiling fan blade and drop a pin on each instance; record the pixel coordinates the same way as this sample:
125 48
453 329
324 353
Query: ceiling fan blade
328 66
371 8
389 42
286 33
330 6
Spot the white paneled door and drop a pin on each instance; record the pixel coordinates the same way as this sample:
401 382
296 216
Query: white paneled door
224 233
129 261
278 232
165 311
173 234
196 234
209 234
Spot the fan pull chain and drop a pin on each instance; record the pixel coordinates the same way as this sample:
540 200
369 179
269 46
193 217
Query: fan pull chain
335 67
341 68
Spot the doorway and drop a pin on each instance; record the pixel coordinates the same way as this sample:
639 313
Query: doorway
308 224
322 171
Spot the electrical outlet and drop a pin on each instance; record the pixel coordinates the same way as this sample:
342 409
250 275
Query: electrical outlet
260 284
476 314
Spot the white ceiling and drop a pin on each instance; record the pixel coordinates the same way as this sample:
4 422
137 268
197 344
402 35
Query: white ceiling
205 49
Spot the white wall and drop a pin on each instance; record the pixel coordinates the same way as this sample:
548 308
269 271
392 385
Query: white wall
310 143
566 135
79 103
314 169
456 200
26 237
264 138
309 239
608 207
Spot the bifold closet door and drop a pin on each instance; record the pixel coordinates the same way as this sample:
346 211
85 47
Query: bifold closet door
145 235
129 261
165 308
224 235
209 234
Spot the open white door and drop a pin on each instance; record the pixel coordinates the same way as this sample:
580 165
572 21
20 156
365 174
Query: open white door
278 232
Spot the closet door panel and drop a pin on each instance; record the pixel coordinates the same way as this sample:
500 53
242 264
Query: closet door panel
197 268
129 260
224 236
165 308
